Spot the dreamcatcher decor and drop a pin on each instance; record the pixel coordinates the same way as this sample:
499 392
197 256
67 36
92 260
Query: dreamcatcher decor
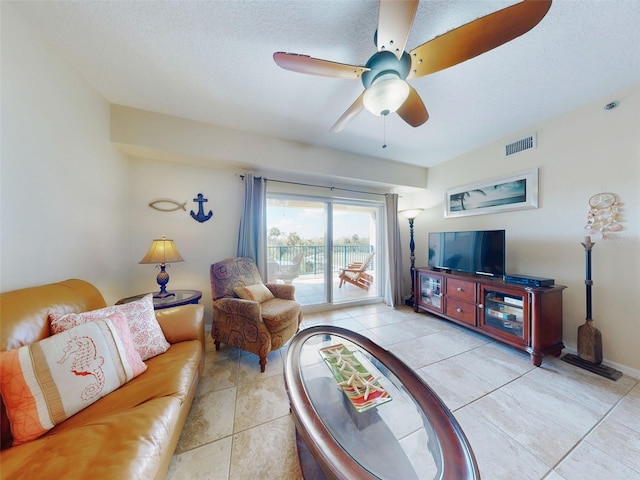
603 215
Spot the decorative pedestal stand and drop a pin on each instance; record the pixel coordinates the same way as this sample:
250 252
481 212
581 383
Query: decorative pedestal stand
589 338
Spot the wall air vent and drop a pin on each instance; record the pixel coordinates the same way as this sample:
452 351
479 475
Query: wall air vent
526 143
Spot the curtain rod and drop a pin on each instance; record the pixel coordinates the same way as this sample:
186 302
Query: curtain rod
317 186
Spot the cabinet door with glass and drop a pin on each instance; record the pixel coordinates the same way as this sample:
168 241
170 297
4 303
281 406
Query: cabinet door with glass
429 288
505 313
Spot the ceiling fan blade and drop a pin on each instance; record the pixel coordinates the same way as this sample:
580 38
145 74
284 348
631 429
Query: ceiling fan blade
395 18
413 110
355 108
477 37
315 66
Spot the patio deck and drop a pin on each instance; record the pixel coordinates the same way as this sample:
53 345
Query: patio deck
310 290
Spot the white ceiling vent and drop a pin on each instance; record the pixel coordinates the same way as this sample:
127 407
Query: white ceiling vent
526 143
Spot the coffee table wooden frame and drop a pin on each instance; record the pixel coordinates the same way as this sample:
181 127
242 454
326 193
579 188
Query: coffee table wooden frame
335 462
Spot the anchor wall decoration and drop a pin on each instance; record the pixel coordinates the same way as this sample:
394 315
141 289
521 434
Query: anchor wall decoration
201 216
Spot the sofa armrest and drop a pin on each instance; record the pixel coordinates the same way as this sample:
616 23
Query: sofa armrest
182 323
283 291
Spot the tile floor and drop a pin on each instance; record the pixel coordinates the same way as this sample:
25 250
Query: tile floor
554 422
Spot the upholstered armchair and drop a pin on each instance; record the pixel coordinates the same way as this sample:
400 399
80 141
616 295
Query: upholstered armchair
249 315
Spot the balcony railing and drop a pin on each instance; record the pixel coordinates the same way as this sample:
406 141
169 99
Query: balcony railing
313 256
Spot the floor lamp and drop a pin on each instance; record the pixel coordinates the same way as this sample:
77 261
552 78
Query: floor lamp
411 215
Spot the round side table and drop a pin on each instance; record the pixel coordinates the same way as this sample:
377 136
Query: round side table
179 297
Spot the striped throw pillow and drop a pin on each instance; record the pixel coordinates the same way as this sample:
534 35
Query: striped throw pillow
46 382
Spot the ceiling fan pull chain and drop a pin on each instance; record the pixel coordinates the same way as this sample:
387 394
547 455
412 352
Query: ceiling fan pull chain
384 131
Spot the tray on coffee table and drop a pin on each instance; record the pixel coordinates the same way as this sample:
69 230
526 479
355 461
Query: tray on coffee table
358 384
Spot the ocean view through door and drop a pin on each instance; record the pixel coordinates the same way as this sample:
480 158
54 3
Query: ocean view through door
327 248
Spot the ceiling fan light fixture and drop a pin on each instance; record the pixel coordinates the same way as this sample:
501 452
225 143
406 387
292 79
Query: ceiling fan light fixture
386 95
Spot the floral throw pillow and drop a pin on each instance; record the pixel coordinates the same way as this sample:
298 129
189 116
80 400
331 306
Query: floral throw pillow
146 333
46 382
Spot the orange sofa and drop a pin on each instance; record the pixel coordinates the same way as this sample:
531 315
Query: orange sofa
132 432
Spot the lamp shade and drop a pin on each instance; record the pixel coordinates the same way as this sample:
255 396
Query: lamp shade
386 95
162 251
411 213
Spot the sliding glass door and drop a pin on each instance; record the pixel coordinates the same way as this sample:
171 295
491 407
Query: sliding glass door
329 249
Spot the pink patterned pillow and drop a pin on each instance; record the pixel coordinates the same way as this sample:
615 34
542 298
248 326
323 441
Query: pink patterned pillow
46 382
146 333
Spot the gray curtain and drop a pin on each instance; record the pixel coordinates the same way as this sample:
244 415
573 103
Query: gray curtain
252 238
394 294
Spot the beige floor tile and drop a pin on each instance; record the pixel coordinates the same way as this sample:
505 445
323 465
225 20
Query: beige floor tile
419 352
333 315
627 412
312 322
541 436
208 462
348 323
464 384
372 320
210 418
449 397
591 390
226 352
371 308
423 351
495 364
554 476
388 335
218 375
267 451
249 366
618 441
260 401
426 465
422 325
530 426
552 405
499 456
634 393
588 462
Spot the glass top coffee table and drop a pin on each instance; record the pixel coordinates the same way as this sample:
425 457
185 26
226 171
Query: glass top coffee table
360 412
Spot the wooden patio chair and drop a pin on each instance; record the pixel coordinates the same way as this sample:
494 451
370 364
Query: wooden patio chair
356 274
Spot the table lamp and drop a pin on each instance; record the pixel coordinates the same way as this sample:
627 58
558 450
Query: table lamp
161 252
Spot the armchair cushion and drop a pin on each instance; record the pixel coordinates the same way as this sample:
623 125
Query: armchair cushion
258 292
277 313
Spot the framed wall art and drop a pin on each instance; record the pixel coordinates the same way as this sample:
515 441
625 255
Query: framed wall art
513 192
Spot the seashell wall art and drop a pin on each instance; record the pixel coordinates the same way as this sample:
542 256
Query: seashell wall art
604 214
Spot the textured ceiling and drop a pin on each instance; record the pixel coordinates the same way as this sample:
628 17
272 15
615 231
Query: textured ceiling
212 62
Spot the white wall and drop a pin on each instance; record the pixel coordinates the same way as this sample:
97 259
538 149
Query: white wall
64 186
200 244
153 135
584 152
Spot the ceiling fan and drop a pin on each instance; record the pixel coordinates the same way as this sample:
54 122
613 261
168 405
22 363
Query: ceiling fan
385 73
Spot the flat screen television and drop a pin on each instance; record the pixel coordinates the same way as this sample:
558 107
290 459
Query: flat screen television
481 252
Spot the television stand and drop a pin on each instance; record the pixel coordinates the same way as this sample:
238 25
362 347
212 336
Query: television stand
527 318
442 269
